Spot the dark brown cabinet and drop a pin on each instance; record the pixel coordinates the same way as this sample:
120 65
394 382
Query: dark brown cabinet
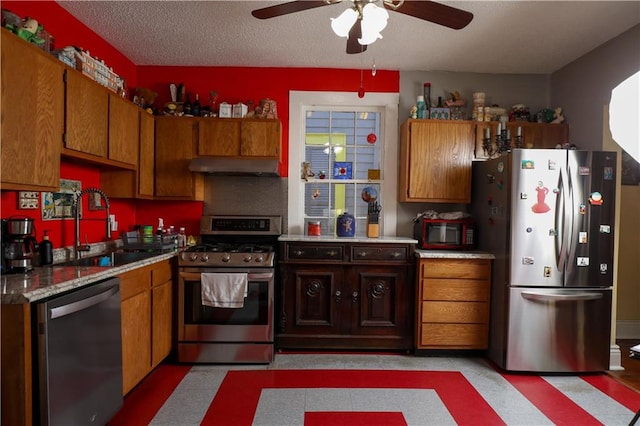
346 296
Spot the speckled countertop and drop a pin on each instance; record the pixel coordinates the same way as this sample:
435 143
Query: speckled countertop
332 239
453 254
47 281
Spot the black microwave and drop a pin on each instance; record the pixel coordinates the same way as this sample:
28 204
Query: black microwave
445 234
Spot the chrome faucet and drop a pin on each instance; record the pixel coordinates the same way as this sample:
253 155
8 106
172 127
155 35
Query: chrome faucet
78 247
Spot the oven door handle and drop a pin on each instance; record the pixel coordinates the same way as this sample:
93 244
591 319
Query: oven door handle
254 276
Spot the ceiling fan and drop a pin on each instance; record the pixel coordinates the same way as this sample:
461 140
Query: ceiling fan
355 20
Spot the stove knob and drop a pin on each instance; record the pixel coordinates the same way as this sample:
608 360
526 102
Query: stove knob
226 257
247 258
193 257
204 258
259 258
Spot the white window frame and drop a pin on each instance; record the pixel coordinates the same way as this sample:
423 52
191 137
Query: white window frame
298 101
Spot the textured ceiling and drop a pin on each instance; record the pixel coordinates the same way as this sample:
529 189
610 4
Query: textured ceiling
503 37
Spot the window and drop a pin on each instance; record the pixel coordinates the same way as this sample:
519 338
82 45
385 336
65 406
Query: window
350 146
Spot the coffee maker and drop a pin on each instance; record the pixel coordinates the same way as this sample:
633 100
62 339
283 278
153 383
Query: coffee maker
19 245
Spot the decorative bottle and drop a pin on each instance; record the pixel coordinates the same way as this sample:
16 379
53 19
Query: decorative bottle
422 107
195 108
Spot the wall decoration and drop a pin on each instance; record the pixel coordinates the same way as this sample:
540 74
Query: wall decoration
59 205
342 170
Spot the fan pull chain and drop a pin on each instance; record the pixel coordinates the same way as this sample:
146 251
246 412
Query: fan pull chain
361 90
373 68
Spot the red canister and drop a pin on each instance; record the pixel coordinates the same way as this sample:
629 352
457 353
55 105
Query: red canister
314 229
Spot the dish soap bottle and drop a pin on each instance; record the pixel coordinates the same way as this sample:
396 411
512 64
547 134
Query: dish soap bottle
46 250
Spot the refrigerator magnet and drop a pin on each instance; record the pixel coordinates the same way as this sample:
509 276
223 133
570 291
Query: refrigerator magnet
527 164
604 268
583 208
500 167
552 165
582 237
583 171
582 261
547 271
595 199
605 229
608 173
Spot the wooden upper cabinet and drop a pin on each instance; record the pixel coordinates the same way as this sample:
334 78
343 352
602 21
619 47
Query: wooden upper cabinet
32 115
435 161
234 137
219 137
87 114
124 130
146 166
260 138
176 143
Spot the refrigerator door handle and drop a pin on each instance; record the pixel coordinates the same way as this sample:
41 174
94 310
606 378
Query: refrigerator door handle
562 237
560 297
573 179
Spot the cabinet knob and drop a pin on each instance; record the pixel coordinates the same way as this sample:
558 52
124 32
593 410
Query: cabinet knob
354 297
362 254
298 252
333 253
337 295
396 254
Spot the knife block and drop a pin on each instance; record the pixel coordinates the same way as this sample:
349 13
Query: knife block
373 230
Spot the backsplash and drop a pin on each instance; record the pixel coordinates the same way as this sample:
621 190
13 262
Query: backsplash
246 195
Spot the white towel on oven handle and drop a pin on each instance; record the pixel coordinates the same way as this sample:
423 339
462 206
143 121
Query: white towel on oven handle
223 290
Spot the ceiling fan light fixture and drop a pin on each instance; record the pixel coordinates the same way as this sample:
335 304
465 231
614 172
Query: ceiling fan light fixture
343 23
374 20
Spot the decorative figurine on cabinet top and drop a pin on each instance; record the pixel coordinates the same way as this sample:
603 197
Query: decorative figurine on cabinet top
346 226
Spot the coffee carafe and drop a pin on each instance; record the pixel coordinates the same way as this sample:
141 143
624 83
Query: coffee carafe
19 245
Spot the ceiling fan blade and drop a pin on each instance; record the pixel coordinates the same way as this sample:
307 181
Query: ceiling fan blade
287 8
355 33
435 12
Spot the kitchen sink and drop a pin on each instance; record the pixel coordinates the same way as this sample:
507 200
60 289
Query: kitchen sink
109 259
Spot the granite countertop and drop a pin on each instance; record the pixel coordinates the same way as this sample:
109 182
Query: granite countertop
453 254
47 281
332 239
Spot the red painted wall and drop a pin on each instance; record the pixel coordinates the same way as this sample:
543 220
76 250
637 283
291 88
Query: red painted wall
232 84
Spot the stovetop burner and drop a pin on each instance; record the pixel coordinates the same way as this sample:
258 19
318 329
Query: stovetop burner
231 248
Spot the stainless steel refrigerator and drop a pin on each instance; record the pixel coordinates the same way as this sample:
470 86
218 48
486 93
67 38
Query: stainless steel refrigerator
548 217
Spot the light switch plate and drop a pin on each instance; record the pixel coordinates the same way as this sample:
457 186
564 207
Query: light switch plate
28 200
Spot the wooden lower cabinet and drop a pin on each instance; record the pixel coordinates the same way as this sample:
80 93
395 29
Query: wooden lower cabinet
453 303
345 296
146 321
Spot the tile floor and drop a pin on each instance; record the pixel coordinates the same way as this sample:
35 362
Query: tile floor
373 389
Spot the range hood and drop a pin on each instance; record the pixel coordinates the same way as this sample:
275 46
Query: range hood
235 166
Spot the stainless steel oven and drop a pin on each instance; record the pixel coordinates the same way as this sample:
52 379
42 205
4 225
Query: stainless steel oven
229 245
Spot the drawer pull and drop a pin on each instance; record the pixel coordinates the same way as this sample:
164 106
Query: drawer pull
396 254
362 254
332 253
354 297
337 295
298 252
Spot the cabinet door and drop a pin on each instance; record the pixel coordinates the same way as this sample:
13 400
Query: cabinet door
87 109
32 116
124 130
161 321
436 158
176 139
261 138
219 137
313 299
380 302
136 340
146 161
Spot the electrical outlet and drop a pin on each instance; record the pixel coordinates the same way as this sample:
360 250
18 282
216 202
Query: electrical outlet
28 200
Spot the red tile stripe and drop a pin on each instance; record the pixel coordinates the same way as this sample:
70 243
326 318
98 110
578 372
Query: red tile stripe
560 409
626 396
143 402
353 418
237 398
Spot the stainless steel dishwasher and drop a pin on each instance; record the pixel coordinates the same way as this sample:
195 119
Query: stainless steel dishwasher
79 347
